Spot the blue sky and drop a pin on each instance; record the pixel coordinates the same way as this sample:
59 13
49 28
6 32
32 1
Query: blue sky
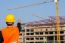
25 14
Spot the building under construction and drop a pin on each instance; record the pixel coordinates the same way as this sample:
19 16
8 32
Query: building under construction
43 31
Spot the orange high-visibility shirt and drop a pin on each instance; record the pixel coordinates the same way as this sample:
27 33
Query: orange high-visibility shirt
10 34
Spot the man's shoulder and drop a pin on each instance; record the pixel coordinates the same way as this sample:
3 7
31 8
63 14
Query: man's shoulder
3 28
15 28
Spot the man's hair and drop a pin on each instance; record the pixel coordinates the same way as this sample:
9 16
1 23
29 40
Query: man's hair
9 24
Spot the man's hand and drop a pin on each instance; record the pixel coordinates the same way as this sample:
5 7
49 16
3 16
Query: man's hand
19 26
14 42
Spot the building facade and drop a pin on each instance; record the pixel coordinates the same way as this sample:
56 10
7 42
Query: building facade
43 31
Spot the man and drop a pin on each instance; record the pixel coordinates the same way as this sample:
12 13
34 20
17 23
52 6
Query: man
11 32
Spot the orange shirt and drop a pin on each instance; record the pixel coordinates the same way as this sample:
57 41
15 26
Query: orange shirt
10 34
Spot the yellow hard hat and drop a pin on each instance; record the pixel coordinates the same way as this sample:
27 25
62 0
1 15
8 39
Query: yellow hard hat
10 18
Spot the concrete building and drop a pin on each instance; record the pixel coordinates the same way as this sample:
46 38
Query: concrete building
43 31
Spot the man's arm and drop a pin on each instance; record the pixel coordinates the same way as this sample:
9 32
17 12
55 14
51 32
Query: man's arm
1 37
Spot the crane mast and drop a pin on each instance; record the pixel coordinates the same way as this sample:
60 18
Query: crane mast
57 21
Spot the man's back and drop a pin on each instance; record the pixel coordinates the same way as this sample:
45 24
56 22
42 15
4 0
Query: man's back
10 34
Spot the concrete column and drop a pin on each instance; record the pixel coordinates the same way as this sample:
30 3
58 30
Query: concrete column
54 37
34 32
64 37
25 35
34 39
45 38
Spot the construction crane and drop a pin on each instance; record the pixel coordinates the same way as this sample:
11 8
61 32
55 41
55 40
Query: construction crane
57 21
57 16
35 4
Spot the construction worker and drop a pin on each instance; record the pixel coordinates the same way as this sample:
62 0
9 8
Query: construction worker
11 32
